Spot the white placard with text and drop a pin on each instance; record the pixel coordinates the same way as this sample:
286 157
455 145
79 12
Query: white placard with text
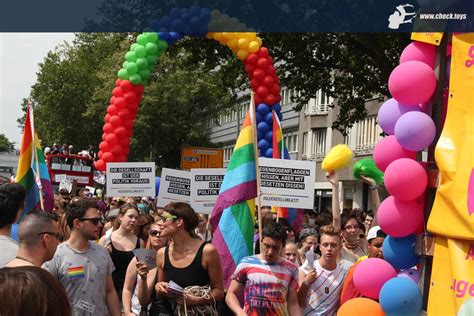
175 186
130 179
205 186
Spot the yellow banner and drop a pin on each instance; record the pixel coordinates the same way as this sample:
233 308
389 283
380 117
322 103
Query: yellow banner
429 38
452 276
452 213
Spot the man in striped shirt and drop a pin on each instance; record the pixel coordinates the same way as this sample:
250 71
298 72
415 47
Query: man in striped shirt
320 286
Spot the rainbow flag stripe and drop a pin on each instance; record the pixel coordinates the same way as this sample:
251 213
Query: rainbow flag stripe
294 216
26 174
75 273
233 216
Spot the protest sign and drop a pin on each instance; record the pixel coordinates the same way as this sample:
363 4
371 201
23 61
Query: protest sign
130 179
205 186
175 186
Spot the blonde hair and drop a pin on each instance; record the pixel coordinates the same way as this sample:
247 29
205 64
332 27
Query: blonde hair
330 231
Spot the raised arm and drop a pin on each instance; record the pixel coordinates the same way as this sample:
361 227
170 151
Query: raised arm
336 211
374 196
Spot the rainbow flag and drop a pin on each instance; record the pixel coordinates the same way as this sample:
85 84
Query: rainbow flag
75 273
294 216
27 175
233 216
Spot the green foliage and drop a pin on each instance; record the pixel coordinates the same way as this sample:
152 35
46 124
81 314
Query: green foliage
5 144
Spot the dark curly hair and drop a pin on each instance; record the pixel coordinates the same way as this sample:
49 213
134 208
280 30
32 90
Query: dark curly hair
275 231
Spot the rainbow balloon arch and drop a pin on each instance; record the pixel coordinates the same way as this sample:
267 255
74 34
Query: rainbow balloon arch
412 85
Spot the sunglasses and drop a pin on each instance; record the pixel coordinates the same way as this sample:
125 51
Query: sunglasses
56 235
166 218
154 233
93 220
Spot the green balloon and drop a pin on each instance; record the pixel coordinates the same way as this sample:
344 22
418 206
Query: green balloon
134 45
135 79
367 168
152 37
140 51
131 56
151 48
142 39
124 65
123 74
162 45
152 59
144 73
132 68
142 63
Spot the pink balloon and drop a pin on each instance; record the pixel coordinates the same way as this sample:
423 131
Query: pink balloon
388 150
421 52
412 82
399 218
405 179
371 274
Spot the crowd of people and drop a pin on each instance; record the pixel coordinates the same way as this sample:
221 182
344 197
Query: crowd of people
84 259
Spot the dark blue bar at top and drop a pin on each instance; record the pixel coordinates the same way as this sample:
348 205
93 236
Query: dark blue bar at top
198 17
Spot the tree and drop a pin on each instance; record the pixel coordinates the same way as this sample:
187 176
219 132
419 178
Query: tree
5 144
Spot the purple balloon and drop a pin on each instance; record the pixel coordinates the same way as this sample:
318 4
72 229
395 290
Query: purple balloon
411 274
415 131
390 112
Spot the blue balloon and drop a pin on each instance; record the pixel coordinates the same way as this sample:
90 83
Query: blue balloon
259 117
263 145
195 10
154 24
269 136
400 296
277 107
14 231
269 118
262 126
175 13
157 185
400 252
165 21
164 36
260 135
269 153
263 109
280 116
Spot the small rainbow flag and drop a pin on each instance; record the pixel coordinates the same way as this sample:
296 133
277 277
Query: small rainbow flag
31 161
75 273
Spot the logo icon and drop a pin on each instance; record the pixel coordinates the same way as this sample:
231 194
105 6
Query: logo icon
401 16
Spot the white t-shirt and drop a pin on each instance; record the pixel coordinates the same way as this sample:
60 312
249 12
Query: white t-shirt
9 249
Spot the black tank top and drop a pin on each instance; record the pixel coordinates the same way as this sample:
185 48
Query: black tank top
194 274
121 259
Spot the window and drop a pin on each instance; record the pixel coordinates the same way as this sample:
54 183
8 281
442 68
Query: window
304 149
291 140
228 152
244 109
320 104
367 134
318 149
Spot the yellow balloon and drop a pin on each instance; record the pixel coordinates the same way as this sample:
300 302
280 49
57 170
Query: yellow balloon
250 35
259 41
242 54
243 43
217 36
210 35
229 35
337 158
233 43
253 47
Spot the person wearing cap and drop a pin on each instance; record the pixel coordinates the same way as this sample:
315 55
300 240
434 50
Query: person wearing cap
375 238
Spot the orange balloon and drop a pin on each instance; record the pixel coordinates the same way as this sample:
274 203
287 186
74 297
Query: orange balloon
360 306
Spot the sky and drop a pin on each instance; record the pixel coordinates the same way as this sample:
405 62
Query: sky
20 54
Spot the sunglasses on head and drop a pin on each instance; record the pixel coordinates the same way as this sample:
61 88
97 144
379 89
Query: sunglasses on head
154 233
167 217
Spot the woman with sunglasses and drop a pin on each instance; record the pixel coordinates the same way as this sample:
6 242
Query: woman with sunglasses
121 244
138 274
187 261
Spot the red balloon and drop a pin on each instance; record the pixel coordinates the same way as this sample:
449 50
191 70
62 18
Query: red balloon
133 114
139 89
126 150
270 70
276 79
107 118
112 109
99 154
257 99
129 96
112 100
252 59
262 92
117 92
126 85
259 74
132 106
254 84
277 98
275 89
263 52
103 136
270 60
124 114
250 69
120 158
111 139
120 132
108 157
108 128
125 141
268 81
128 124
116 150
270 99
100 165
117 82
120 103
139 98
262 63
116 121
104 146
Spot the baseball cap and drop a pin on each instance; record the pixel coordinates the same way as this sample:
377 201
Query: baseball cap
375 232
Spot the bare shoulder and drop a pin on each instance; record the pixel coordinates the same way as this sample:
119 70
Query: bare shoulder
210 249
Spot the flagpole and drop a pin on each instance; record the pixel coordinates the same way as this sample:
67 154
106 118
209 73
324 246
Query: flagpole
257 167
35 153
